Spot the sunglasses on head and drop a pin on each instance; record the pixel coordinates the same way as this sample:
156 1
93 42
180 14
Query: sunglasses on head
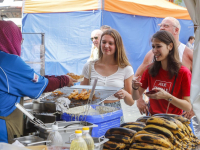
92 38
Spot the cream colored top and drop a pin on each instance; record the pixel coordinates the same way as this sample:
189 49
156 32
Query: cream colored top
114 80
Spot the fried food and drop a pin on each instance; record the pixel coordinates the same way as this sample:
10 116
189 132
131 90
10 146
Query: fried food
57 93
74 93
83 95
76 97
74 76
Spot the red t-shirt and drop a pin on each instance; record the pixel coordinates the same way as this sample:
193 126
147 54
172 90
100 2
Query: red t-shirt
181 88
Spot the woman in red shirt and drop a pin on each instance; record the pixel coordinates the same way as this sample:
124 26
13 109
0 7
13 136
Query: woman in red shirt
169 79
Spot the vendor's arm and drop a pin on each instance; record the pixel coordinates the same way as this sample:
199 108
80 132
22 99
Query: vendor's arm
21 80
58 82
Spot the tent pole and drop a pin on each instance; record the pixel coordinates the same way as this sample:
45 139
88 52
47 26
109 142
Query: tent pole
102 10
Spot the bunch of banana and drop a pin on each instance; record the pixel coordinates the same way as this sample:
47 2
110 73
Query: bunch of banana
161 130
150 140
174 127
162 122
119 138
178 117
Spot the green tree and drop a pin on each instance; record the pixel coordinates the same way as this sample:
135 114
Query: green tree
178 2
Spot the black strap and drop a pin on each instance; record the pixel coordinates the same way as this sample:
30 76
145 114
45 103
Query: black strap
173 85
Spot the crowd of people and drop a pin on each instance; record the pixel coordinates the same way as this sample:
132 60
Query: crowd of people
177 65
166 69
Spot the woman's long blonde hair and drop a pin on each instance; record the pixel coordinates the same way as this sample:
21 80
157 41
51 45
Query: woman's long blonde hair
120 53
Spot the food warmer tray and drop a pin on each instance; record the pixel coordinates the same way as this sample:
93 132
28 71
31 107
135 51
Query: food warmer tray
101 94
66 129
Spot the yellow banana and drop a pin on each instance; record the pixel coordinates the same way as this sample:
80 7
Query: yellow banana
143 119
147 146
120 138
162 122
120 131
133 127
161 130
114 145
152 139
142 124
178 133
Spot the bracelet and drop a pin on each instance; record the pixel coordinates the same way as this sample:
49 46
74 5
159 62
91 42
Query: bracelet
135 88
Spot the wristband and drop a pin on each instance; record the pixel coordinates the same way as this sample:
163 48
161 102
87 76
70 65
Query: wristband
135 88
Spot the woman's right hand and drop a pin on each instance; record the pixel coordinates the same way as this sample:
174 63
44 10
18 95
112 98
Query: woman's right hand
136 82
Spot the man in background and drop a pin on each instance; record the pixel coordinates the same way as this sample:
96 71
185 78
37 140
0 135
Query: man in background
190 42
105 27
95 38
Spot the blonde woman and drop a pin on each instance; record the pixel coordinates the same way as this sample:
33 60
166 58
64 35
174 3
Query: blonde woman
112 69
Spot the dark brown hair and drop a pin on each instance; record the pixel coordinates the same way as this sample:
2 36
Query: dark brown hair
173 62
191 38
120 53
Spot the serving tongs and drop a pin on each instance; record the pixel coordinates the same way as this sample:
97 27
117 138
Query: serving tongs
30 116
88 106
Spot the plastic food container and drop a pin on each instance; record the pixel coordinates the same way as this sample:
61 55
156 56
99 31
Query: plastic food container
105 121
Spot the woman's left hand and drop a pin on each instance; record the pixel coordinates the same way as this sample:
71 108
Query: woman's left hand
121 94
160 94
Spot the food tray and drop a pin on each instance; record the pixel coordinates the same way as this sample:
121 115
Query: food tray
98 142
101 93
30 140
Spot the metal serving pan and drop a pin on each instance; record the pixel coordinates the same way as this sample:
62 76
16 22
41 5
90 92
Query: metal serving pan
31 140
64 128
101 94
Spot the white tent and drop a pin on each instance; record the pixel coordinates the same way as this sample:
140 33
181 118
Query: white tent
193 7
